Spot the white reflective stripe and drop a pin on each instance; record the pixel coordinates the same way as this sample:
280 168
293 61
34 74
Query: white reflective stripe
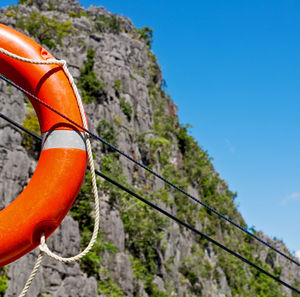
63 139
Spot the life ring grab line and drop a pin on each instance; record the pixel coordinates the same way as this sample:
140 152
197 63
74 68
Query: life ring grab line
53 135
21 50
43 246
63 63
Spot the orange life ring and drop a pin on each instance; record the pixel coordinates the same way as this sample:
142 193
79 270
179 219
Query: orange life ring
49 195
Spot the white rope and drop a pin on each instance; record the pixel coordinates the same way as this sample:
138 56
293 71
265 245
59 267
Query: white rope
31 61
32 275
43 246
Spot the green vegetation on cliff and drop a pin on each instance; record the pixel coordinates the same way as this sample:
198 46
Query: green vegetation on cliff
48 31
108 24
32 124
88 82
3 280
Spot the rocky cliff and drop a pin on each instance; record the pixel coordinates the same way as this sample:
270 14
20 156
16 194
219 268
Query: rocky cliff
138 252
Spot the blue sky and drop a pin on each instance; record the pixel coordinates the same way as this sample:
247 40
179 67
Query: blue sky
232 67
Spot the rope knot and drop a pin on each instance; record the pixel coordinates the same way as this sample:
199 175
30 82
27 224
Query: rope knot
43 246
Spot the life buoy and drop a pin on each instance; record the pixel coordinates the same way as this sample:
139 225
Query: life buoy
49 195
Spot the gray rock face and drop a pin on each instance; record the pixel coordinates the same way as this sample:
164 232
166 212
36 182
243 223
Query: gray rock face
124 64
14 161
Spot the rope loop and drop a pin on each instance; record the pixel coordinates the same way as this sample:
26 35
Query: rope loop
43 246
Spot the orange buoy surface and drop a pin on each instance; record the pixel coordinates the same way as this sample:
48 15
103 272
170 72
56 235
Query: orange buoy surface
49 195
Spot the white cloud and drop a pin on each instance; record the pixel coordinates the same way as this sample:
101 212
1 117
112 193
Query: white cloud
295 196
297 254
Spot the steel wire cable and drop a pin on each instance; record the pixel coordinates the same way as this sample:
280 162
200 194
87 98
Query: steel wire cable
143 166
20 126
171 216
188 226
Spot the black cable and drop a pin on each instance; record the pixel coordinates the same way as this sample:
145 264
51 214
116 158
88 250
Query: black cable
20 126
150 171
164 212
181 222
